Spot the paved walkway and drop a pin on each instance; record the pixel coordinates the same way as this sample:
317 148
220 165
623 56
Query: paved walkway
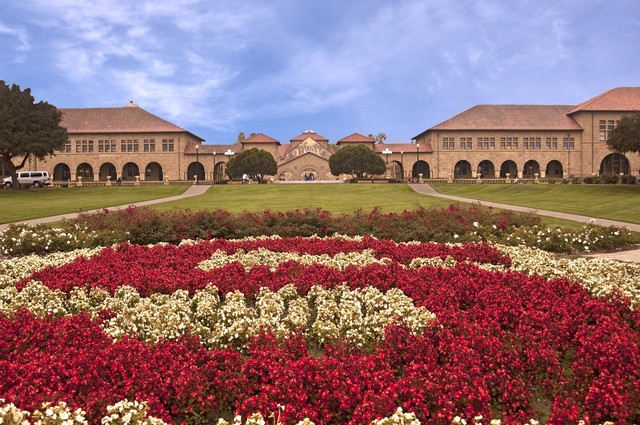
628 255
193 190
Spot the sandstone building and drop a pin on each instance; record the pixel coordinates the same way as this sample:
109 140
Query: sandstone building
487 141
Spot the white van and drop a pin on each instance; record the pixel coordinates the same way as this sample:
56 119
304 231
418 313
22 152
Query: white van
30 178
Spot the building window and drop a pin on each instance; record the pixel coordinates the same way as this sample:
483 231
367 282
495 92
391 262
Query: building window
66 148
84 146
605 127
568 143
149 145
602 127
106 145
167 145
129 146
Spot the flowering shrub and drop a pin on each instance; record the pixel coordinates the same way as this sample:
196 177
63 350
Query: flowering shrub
59 414
453 224
485 337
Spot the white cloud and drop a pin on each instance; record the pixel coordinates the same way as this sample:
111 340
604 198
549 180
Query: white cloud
19 34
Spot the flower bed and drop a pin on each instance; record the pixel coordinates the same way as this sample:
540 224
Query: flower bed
338 330
453 224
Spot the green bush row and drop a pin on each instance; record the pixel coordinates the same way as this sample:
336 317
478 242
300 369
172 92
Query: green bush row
610 179
453 224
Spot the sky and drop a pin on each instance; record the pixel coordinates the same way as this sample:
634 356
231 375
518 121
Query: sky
281 67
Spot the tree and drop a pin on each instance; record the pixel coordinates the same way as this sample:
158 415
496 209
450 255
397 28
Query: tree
625 137
254 162
380 138
27 129
357 160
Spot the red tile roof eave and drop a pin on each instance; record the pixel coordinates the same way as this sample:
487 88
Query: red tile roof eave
619 95
99 131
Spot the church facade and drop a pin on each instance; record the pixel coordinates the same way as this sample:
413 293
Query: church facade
485 141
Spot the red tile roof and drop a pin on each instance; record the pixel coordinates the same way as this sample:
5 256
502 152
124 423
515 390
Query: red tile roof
260 138
356 138
309 133
127 119
618 99
511 117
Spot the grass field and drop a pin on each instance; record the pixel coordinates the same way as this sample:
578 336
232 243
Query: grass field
337 198
614 202
35 203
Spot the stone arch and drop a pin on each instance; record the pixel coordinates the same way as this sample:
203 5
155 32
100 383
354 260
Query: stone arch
107 170
61 172
218 171
195 169
462 170
309 174
130 171
486 170
614 163
397 170
554 170
85 171
153 172
510 167
420 167
531 168
285 176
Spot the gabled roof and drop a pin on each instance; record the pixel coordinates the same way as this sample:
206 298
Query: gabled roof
618 99
127 119
309 133
511 117
260 138
356 138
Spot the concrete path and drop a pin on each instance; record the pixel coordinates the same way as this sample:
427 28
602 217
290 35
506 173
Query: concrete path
628 255
193 190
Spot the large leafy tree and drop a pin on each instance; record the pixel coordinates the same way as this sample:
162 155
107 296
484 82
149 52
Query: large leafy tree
253 162
27 129
625 137
357 160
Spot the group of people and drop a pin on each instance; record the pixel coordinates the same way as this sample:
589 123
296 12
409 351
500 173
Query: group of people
246 178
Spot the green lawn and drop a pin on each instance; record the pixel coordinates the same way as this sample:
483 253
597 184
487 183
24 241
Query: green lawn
35 203
614 202
337 198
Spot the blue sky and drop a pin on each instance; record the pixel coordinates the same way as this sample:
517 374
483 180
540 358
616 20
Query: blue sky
280 67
